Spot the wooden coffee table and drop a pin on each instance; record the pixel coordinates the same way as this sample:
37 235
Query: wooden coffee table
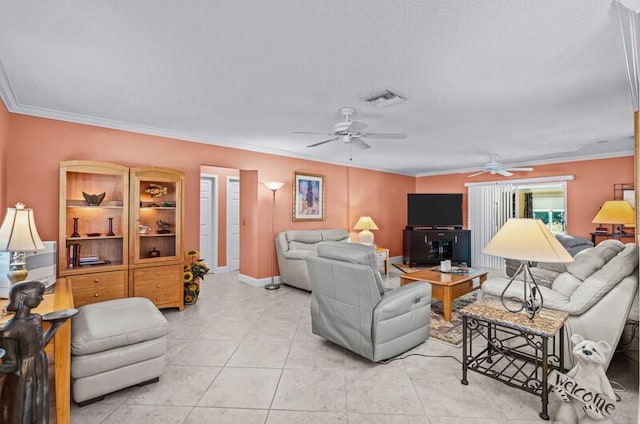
445 286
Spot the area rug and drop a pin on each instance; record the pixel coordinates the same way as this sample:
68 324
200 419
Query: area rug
449 332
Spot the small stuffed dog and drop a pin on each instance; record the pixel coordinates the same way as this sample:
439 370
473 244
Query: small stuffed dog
590 374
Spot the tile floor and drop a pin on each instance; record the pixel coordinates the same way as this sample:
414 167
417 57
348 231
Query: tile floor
247 355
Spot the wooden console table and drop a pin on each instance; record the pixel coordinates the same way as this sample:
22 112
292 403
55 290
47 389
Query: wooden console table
62 298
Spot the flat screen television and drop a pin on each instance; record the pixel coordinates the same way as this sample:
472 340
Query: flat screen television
434 210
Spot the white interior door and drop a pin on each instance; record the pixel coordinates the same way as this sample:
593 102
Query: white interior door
208 222
233 223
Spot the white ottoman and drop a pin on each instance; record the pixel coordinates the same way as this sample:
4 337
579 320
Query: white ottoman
116 344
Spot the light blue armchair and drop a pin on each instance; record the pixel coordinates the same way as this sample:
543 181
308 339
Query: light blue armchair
349 306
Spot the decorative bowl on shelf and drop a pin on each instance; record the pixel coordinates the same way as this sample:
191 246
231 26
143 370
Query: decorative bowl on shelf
94 234
143 229
93 199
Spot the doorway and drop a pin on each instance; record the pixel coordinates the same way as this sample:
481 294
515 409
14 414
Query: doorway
233 223
220 217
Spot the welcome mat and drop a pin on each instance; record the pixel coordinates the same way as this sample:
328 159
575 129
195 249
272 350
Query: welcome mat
450 332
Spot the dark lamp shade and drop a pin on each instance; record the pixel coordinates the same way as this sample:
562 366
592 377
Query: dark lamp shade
527 239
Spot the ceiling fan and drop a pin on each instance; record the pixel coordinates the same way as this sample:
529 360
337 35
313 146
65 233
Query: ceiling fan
494 167
351 132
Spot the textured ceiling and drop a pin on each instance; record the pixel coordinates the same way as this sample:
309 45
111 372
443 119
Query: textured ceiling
529 81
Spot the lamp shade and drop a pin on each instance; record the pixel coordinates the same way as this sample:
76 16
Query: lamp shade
615 212
365 223
18 232
274 185
527 239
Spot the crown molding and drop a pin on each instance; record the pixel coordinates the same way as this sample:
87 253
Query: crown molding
622 153
39 112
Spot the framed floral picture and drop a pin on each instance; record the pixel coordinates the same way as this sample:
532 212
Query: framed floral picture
308 197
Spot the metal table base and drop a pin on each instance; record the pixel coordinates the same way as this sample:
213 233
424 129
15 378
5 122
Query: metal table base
513 356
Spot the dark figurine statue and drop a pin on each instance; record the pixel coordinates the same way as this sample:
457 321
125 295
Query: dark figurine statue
24 398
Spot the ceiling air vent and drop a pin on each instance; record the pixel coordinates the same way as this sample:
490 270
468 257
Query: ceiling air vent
384 98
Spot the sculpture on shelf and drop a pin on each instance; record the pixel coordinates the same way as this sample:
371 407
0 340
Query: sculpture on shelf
154 191
164 227
24 397
93 199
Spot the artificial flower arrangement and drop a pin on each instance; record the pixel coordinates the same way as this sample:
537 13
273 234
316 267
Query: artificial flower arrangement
193 271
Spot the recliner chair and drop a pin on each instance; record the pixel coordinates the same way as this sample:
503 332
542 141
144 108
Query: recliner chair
349 306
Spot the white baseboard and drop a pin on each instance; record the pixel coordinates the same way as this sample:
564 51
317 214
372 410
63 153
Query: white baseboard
257 282
220 269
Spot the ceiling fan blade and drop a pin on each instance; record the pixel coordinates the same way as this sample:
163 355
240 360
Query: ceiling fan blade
357 126
518 169
396 136
359 143
476 174
504 172
309 132
323 142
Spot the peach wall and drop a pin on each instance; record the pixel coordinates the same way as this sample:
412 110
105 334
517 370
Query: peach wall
593 184
223 175
37 145
4 140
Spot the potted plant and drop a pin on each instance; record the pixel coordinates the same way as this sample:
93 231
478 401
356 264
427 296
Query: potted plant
194 270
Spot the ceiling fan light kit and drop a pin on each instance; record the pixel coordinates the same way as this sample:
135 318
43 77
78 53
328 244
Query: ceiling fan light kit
351 132
494 167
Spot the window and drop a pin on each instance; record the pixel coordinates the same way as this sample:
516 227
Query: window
546 203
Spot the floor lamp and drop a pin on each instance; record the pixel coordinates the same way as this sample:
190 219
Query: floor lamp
273 186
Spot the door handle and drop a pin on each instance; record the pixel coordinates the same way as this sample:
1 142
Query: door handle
455 238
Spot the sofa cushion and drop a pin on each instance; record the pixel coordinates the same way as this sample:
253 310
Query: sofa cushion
336 234
585 263
566 283
550 298
308 236
114 323
297 245
299 254
573 244
554 267
543 277
605 279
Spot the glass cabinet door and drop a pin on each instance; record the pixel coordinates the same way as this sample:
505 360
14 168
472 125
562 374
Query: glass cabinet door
94 200
156 225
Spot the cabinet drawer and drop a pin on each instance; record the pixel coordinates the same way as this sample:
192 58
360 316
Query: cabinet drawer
161 285
91 288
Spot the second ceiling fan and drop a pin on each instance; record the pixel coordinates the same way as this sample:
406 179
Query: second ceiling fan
349 131
494 167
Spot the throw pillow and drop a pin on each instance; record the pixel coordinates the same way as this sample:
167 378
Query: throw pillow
566 283
585 264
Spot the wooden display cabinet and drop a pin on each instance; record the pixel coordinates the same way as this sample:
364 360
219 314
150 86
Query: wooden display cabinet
93 238
156 225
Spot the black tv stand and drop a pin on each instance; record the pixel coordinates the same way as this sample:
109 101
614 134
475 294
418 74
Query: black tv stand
428 246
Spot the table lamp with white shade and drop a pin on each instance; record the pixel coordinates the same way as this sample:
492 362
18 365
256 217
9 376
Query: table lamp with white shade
18 234
615 212
526 239
366 224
